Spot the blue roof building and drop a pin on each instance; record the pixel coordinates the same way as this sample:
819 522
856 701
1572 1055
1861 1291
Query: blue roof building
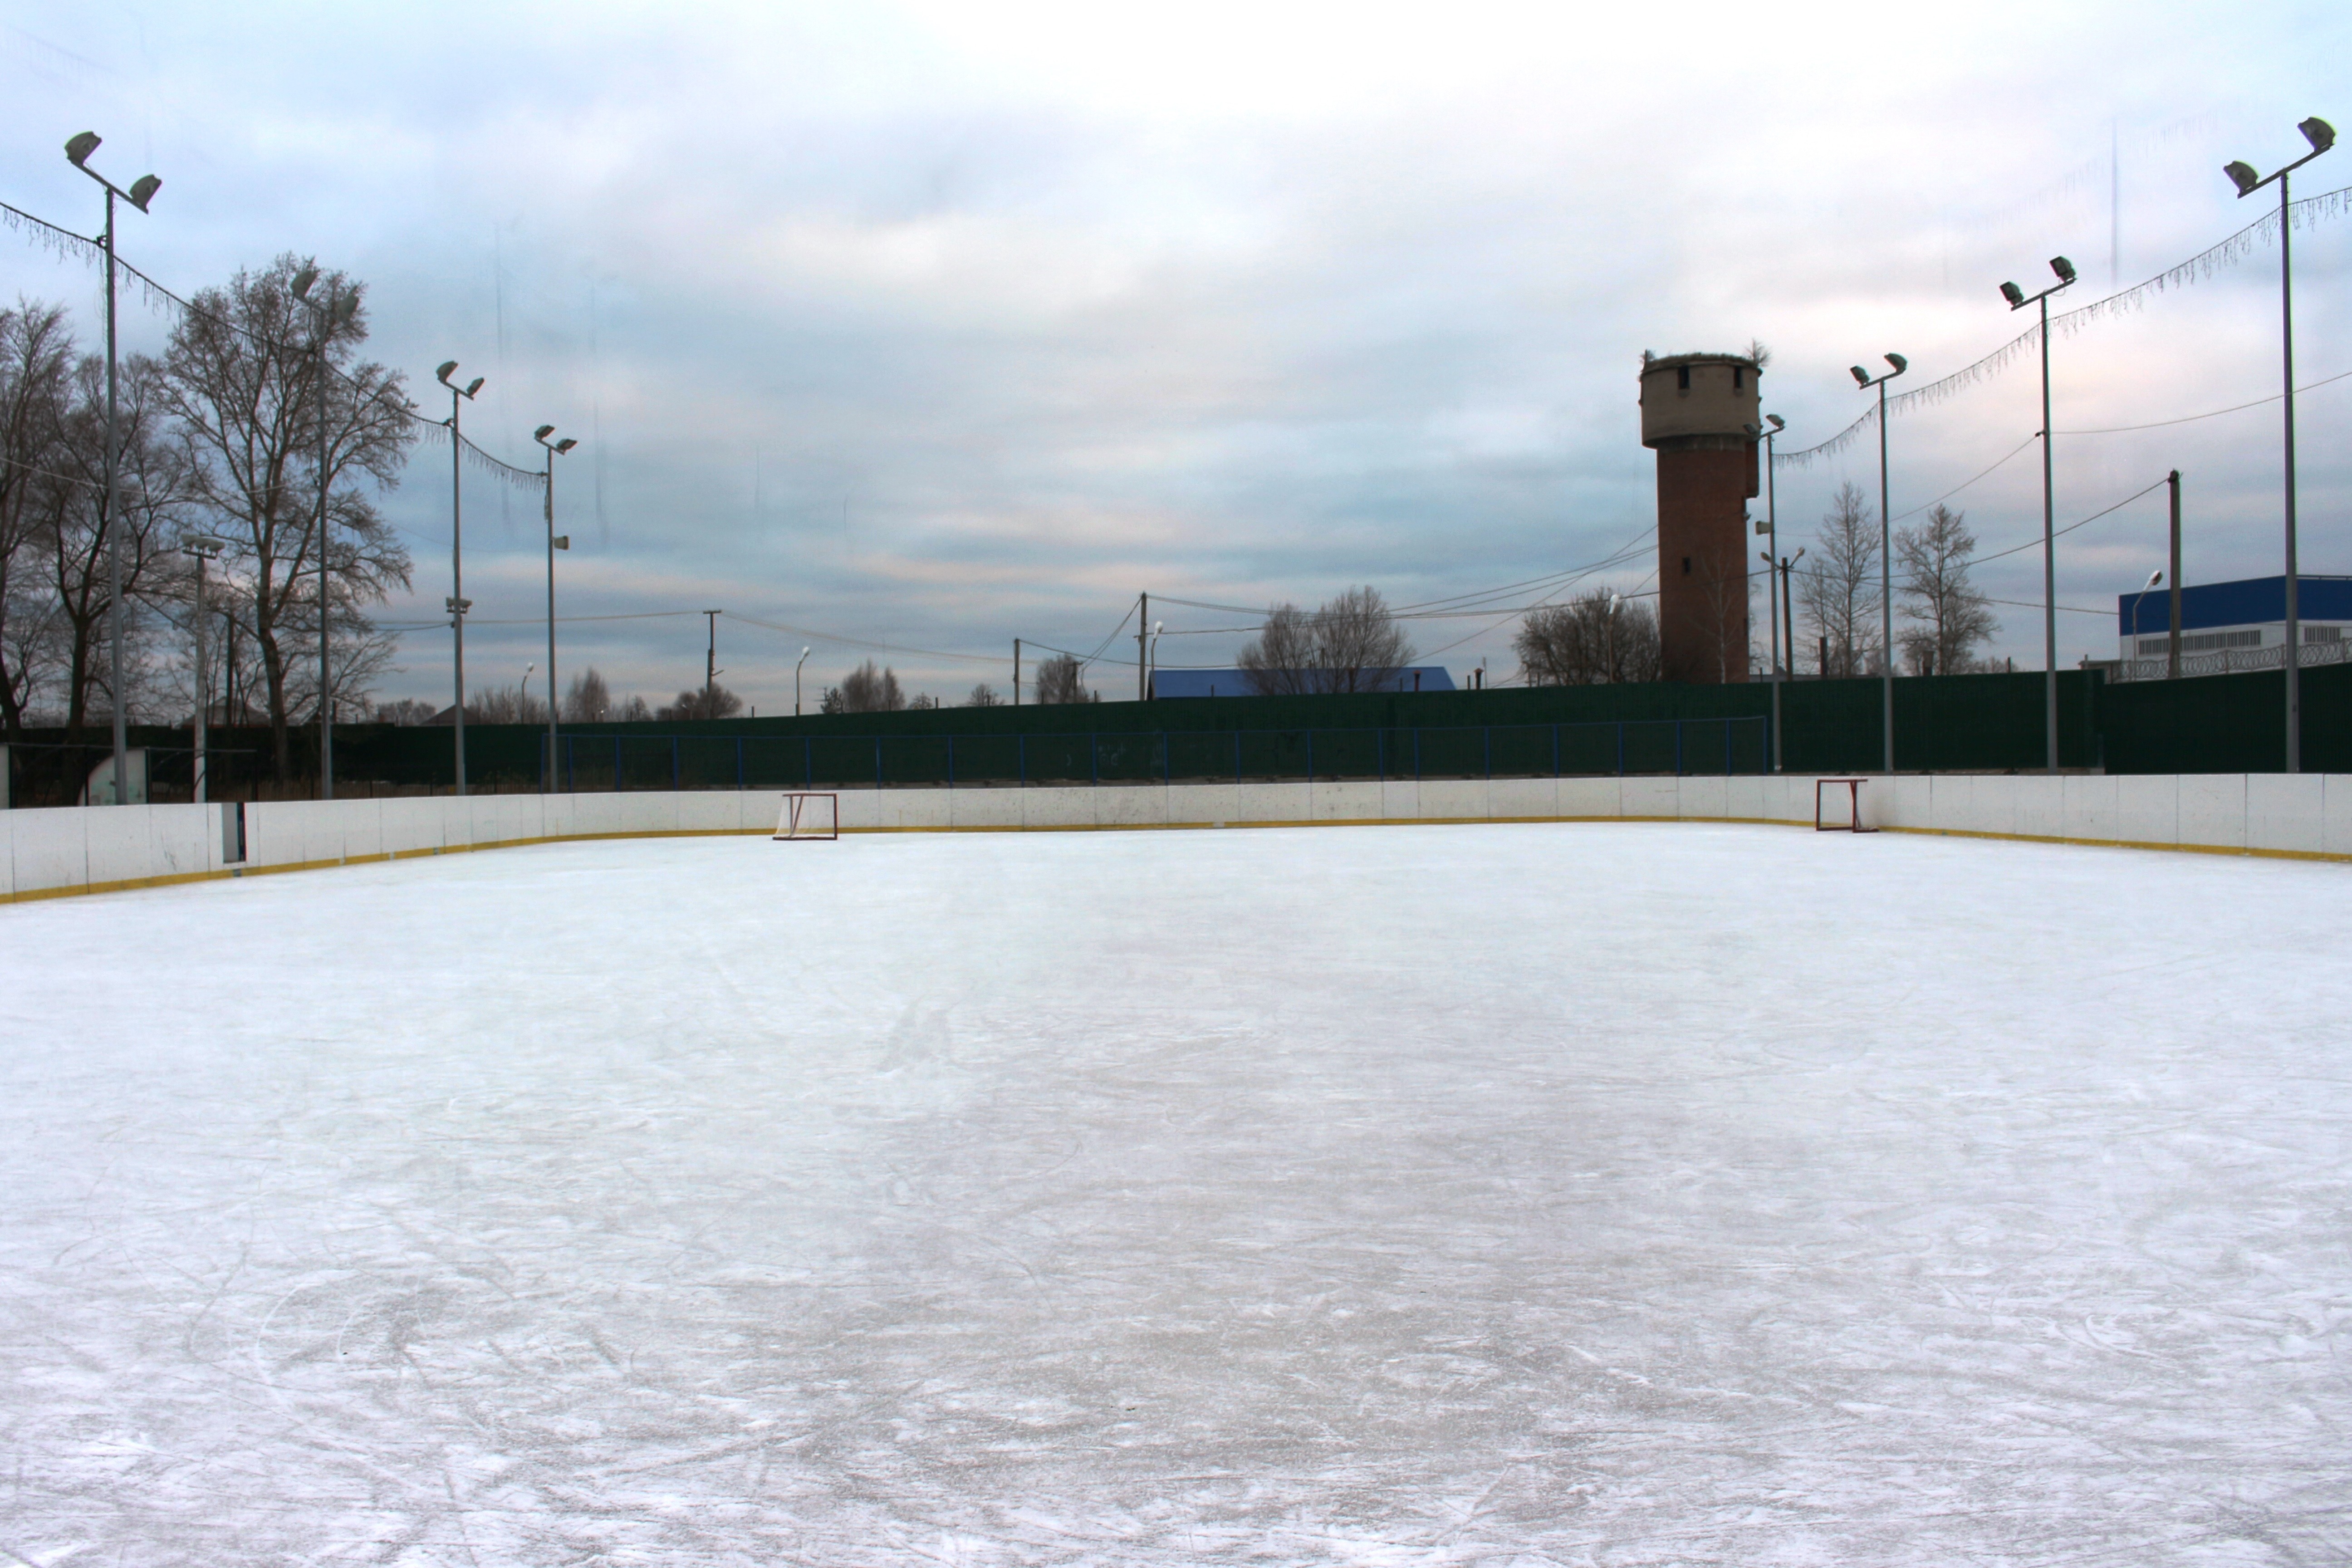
1235 682
2247 614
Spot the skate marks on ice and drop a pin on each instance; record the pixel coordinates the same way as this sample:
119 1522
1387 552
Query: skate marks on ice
1602 1194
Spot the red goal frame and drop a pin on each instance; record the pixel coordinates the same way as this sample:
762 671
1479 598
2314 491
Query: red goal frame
1854 806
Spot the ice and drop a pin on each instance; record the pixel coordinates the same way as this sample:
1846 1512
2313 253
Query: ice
1578 1193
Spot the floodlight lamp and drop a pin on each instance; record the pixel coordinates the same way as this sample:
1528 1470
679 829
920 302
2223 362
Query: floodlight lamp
442 375
1800 555
144 189
2014 294
1776 423
565 445
1899 362
542 433
78 150
346 306
1861 376
2242 175
2154 578
302 281
2064 267
474 386
2318 133
561 541
1752 431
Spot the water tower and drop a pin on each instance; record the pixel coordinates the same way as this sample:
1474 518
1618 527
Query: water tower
1699 414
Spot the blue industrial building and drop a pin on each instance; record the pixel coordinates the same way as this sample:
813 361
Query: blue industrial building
2251 613
1235 682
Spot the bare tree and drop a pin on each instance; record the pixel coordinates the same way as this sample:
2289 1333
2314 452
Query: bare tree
1596 638
1062 678
1949 617
1351 644
1839 591
923 701
77 531
711 701
37 352
587 700
242 380
867 690
408 711
505 705
983 696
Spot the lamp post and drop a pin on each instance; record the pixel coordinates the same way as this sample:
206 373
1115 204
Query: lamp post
2173 653
2321 136
457 602
203 547
524 705
1885 567
143 191
2139 599
1770 529
1615 599
1154 688
335 311
2018 300
796 681
555 542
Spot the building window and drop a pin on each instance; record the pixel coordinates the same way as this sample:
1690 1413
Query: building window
1685 565
2323 634
1738 377
1682 378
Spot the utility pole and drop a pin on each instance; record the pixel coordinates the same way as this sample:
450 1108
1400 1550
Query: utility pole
711 669
2172 662
1142 652
1016 672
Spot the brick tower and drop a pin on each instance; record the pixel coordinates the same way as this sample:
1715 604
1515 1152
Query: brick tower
1699 414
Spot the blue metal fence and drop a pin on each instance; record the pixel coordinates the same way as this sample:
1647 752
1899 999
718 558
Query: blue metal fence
1660 746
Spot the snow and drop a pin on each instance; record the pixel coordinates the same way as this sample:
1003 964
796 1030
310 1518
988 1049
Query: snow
1580 1194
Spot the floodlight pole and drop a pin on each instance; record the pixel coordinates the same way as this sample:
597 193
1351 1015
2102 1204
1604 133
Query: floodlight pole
2172 663
143 191
1886 565
554 450
1771 581
2018 300
1142 632
1016 672
204 549
711 666
2321 136
457 602
796 682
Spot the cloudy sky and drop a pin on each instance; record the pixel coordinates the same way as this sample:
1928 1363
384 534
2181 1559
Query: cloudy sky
938 325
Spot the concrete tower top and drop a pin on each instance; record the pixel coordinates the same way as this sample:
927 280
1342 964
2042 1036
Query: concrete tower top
1699 401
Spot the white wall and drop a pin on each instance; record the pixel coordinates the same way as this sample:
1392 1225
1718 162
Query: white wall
47 852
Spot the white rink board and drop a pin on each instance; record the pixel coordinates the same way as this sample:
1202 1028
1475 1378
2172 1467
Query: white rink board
1580 1192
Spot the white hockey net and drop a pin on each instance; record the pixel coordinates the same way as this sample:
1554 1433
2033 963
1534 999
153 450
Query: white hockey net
809 816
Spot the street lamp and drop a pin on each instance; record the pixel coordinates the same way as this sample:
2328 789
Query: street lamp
457 602
2321 136
1615 599
555 542
796 681
1157 628
143 191
523 707
336 311
1770 529
2138 600
1885 569
2018 300
202 547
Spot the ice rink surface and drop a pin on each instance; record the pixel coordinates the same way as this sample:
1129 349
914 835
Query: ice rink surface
1581 1193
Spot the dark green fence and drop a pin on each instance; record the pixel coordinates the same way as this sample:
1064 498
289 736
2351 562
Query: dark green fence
617 760
2222 724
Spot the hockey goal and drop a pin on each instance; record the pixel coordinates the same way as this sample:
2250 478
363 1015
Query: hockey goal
809 816
1853 822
